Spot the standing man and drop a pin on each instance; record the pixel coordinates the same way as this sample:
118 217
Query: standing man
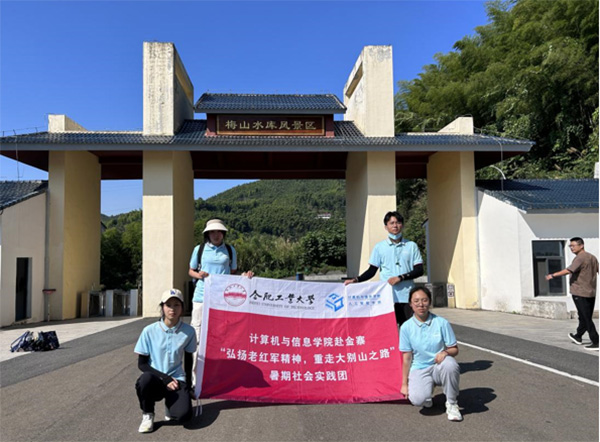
582 285
399 262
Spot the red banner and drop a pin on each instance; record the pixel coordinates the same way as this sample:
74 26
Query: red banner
319 342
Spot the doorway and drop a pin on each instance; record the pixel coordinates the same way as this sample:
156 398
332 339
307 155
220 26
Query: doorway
23 289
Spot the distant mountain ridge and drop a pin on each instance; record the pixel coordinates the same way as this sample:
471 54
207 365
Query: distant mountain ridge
285 208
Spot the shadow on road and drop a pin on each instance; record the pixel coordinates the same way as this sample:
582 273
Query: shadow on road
465 367
470 401
475 400
210 412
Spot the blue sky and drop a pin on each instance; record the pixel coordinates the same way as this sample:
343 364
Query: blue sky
84 58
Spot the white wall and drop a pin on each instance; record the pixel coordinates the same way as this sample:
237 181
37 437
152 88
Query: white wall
499 255
505 236
23 235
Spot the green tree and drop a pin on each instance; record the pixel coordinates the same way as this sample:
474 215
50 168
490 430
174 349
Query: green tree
114 260
325 248
132 244
532 72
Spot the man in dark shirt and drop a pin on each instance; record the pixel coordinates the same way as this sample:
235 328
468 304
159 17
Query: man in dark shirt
582 285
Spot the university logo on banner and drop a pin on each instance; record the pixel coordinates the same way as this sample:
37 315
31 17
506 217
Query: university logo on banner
298 342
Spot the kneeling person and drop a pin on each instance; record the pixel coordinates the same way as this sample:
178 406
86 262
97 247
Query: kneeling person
428 345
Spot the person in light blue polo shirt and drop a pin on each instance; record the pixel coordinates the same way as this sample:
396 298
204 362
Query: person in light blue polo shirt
217 258
398 261
428 347
162 349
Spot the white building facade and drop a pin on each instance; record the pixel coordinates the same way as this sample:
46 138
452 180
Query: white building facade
523 234
22 252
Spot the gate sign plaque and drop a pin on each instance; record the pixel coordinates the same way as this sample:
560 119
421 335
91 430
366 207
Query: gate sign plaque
270 125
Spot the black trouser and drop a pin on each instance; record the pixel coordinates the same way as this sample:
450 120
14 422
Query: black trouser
151 389
585 311
403 312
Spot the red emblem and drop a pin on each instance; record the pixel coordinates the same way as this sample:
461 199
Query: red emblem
235 295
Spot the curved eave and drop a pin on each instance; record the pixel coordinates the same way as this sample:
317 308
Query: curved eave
261 146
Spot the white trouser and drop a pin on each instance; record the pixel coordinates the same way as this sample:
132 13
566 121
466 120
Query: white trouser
197 309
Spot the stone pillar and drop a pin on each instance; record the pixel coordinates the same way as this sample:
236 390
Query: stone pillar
168 223
168 200
370 176
168 91
453 220
73 261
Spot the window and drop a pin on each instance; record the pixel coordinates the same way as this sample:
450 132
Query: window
548 257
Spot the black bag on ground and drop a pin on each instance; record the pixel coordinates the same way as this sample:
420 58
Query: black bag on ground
23 342
46 341
27 342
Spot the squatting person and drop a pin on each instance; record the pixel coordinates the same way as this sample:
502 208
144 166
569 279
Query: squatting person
428 347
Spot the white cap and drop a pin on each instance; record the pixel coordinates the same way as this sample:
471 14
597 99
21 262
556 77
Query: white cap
172 293
214 224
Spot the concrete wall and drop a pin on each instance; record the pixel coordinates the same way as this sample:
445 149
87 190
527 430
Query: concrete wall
168 214
500 256
74 229
506 255
168 91
62 123
22 235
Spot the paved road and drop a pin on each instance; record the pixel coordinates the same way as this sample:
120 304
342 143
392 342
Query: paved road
84 391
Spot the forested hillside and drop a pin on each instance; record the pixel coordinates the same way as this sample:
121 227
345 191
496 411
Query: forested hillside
285 208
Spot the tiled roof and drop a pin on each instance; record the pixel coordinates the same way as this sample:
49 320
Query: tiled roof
544 194
13 192
193 133
270 103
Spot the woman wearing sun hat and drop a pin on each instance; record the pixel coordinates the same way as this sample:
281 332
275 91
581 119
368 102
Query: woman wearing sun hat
217 258
165 350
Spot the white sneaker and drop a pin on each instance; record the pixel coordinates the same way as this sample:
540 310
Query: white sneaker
147 424
167 416
453 412
428 403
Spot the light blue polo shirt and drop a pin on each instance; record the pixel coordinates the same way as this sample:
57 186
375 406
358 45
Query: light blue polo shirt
426 339
215 261
166 346
395 260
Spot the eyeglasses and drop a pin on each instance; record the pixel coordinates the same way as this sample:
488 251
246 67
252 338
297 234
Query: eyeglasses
420 301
